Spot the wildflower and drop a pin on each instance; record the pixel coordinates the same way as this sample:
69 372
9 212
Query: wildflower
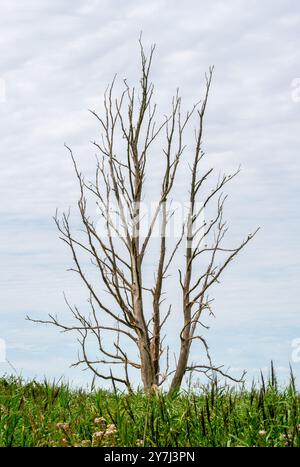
63 426
262 433
85 442
100 421
97 438
98 434
111 430
140 442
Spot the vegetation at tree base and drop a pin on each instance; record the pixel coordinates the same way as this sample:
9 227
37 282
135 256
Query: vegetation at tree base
43 414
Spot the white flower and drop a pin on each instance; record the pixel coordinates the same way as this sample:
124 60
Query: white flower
100 421
111 430
85 442
63 426
98 434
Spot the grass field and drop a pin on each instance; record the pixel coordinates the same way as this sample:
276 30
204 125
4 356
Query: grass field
43 414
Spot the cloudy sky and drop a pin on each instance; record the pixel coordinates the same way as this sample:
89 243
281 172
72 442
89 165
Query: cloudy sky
56 60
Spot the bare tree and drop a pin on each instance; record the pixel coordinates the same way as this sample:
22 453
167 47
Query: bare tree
119 255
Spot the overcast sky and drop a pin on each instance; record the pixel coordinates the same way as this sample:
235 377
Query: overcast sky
56 60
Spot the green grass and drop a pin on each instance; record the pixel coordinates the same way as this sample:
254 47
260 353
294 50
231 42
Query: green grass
43 414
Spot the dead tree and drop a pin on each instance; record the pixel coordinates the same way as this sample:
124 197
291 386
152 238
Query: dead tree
119 256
